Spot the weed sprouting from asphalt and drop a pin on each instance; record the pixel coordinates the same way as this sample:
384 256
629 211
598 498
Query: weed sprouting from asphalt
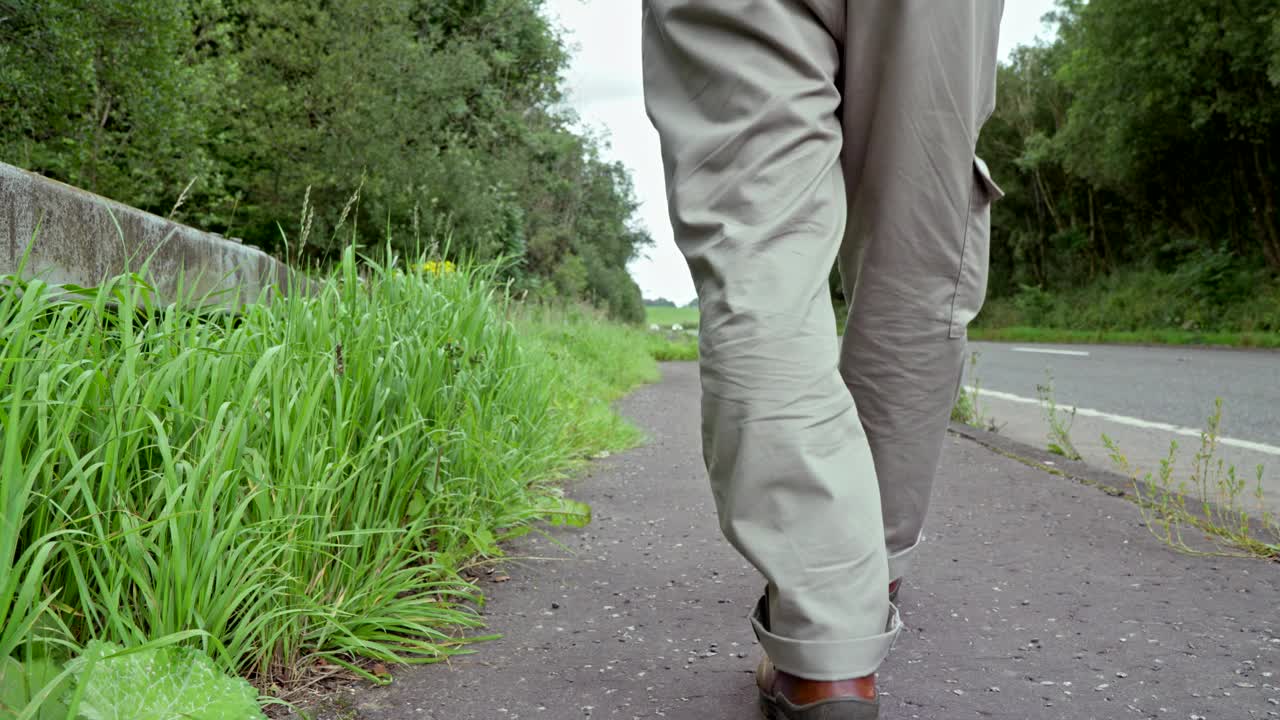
1211 503
967 408
1059 420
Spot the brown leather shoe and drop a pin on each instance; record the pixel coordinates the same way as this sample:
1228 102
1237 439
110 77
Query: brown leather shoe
787 697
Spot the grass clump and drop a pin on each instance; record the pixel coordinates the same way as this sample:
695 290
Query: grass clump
297 484
1211 503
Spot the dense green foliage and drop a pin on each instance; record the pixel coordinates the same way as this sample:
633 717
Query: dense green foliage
1141 154
1141 300
301 483
445 115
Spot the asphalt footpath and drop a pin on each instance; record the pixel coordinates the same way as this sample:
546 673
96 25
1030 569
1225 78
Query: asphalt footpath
1036 596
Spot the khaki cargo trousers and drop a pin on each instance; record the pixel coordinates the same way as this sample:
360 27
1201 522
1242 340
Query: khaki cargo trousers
795 133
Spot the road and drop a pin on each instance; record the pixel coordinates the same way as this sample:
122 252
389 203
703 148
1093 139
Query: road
1141 397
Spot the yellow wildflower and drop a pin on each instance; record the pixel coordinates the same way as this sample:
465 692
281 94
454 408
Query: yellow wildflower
437 267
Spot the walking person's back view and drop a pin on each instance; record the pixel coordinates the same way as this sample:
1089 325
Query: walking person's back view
796 133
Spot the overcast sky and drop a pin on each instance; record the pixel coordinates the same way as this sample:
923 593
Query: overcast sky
605 89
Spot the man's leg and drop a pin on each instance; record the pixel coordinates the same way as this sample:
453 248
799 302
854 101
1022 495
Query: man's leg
919 83
744 98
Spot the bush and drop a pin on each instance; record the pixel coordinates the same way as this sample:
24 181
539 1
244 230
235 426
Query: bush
1034 303
1213 293
1217 279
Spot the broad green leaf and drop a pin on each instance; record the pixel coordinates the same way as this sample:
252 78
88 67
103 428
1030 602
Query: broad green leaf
168 683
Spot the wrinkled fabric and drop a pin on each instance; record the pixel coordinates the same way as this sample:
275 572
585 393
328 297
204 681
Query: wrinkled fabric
797 134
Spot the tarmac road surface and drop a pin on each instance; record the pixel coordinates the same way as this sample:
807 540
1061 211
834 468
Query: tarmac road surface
1035 597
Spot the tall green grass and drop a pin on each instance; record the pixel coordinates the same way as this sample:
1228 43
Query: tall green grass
297 483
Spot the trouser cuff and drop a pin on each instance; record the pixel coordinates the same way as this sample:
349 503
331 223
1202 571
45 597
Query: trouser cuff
825 660
900 561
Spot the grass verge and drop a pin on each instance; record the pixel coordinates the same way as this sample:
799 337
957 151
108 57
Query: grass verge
1267 340
1135 308
673 347
294 486
1214 301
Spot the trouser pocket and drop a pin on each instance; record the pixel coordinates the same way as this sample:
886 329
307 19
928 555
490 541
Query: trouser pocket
971 280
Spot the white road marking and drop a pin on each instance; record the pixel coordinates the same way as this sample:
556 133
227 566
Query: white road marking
1136 422
1048 351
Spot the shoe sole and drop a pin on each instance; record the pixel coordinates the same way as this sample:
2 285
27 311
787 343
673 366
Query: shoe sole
770 710
767 709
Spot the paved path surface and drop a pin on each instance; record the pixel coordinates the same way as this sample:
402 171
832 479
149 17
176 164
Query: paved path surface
1132 394
1037 597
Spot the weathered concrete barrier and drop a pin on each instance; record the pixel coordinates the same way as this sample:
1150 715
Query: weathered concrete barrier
83 239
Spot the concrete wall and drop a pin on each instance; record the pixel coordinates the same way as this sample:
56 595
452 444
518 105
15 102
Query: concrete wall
78 242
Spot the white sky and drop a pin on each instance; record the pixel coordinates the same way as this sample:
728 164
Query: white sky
604 83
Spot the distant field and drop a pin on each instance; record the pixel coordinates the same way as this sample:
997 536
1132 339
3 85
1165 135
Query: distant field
668 316
688 319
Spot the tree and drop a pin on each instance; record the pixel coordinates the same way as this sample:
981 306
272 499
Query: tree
431 123
1175 106
109 96
1145 136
